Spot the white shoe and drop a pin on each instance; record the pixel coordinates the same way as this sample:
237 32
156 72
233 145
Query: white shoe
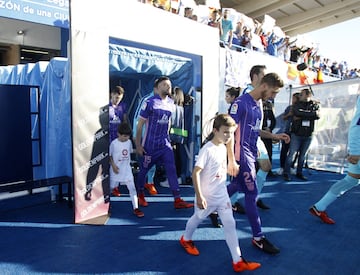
179 180
280 171
164 183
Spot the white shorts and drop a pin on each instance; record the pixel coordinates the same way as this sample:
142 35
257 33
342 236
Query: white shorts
262 149
203 213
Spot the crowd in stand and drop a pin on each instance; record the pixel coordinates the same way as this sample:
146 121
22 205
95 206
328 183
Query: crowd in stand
254 36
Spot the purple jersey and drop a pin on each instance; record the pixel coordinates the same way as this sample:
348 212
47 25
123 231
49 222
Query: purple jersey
116 115
247 115
157 113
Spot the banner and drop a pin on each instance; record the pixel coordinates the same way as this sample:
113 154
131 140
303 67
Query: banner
90 124
53 13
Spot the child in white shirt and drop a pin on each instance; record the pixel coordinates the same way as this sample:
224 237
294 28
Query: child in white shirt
121 172
209 178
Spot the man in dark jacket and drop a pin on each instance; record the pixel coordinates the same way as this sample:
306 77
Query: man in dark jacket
305 111
269 123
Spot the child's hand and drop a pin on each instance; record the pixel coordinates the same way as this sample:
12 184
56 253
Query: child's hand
201 202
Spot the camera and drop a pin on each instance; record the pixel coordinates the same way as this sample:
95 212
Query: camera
188 99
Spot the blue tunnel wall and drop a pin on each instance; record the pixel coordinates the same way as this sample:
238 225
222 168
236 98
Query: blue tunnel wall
133 66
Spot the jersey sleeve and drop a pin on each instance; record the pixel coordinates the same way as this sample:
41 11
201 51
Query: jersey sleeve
145 109
202 158
235 111
111 148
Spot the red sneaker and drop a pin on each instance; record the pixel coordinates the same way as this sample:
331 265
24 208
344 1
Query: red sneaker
322 215
115 192
142 200
189 246
151 188
244 265
138 213
179 203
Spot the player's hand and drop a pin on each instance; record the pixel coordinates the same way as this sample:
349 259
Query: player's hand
284 137
140 150
233 169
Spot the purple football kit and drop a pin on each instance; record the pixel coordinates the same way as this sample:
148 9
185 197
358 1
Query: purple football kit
156 141
116 115
247 114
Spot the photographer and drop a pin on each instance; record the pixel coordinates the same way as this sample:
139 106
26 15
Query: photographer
305 111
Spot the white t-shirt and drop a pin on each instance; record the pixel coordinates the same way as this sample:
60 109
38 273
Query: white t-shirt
120 152
212 161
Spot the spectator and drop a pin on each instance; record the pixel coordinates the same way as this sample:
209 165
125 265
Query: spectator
194 17
227 29
245 38
284 49
295 53
214 21
188 12
317 62
335 69
273 44
236 36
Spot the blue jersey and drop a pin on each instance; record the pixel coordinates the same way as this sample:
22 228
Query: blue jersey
354 132
157 113
247 115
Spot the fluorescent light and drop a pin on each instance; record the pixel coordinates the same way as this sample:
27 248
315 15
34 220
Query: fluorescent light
34 51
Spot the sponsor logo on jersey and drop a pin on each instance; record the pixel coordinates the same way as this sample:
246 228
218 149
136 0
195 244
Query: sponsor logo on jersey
163 120
257 126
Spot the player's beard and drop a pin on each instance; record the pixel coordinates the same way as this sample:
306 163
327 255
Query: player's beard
165 93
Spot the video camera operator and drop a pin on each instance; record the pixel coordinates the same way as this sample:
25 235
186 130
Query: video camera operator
305 111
